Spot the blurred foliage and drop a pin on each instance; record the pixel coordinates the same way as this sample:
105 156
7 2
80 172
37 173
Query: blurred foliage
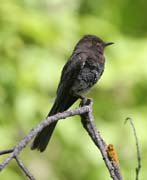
36 39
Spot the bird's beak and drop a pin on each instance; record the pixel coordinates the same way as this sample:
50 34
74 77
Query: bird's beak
108 43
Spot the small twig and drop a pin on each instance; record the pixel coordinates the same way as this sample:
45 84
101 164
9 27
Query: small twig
23 167
137 147
7 151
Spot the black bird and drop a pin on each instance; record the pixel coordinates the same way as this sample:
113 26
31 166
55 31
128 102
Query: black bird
83 69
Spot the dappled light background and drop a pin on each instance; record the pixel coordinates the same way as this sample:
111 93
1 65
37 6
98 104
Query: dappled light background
36 39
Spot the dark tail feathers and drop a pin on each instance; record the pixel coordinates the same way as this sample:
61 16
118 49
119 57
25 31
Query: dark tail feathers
42 139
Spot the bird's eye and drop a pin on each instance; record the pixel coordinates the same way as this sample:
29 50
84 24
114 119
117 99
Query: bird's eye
97 44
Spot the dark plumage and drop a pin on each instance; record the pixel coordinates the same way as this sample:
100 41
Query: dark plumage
80 73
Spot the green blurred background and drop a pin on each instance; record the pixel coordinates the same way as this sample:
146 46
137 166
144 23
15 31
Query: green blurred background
36 39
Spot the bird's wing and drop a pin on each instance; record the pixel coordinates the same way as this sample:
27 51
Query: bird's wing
70 72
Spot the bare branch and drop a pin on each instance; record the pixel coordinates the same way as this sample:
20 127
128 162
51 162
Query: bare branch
7 151
137 147
88 123
85 111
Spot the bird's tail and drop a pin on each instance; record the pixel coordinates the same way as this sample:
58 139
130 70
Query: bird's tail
42 139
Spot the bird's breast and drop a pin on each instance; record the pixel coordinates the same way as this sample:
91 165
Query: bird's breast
88 76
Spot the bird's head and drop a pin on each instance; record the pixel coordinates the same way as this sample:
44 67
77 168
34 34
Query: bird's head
92 41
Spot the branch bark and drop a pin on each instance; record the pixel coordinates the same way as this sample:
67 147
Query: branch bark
85 111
